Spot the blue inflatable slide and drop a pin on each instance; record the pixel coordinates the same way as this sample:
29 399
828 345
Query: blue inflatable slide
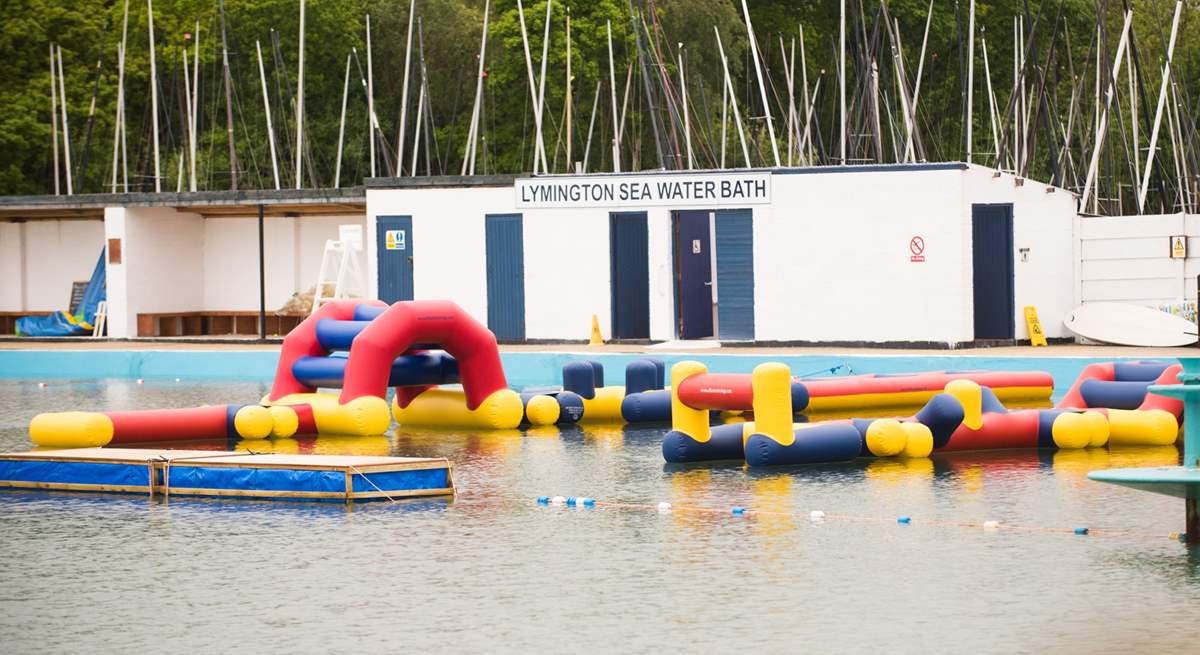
63 324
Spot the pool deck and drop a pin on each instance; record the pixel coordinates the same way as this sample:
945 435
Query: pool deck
238 344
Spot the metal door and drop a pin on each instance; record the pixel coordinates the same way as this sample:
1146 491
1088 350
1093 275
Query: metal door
505 276
693 271
735 275
629 261
992 253
394 247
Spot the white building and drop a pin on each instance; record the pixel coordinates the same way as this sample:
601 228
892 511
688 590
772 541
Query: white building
937 254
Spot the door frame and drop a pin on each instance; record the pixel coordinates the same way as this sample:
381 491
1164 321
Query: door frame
380 250
613 271
677 270
1010 265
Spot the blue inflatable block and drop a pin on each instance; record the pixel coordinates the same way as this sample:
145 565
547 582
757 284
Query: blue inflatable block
832 442
407 370
1138 371
580 378
1046 419
990 404
570 407
642 375
799 396
368 312
724 443
942 415
1113 395
333 334
647 407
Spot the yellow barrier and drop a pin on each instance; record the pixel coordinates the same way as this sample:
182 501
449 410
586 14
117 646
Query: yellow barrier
689 421
771 383
448 408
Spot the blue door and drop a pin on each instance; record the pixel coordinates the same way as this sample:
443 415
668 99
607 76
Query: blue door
992 251
505 276
629 256
394 247
735 275
693 274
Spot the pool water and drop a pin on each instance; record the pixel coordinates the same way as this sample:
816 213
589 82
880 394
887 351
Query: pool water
495 571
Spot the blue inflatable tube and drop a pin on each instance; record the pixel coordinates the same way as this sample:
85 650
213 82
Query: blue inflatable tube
647 407
338 335
820 444
407 370
1114 395
724 443
1138 371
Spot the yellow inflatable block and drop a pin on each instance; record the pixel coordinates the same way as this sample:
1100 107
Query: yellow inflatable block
886 437
365 416
771 383
918 440
605 407
542 410
448 408
284 422
253 422
969 394
1135 427
692 422
1071 431
71 429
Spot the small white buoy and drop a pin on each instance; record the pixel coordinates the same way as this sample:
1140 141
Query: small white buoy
42 385
140 381
991 525
557 500
664 507
816 515
177 379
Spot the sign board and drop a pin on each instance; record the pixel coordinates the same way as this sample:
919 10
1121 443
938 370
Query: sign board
916 249
78 288
691 190
1179 248
351 236
1034 326
395 239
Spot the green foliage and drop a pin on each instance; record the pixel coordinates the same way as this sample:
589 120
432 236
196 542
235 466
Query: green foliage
90 31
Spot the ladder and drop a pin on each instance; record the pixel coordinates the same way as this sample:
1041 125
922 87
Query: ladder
340 259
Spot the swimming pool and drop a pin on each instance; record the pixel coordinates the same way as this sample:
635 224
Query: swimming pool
495 571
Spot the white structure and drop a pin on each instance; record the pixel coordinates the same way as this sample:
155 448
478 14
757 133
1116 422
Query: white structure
846 254
1130 259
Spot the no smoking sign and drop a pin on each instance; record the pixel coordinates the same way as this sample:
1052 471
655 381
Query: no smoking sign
916 246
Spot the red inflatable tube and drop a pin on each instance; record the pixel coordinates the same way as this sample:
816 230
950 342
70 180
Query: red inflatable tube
302 342
1155 401
150 425
417 323
1104 371
1016 429
721 391
936 381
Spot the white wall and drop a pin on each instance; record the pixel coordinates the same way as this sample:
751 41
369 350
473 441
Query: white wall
1127 259
1043 222
40 259
292 253
162 267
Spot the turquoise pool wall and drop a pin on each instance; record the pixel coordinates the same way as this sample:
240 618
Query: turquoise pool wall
523 369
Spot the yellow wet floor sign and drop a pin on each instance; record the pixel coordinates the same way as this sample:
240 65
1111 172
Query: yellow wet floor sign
1036 336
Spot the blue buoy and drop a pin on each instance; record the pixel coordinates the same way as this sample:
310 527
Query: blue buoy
571 501
904 520
1081 530
543 500
738 511
587 502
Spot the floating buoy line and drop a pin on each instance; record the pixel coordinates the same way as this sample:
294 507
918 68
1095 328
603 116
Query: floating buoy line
819 516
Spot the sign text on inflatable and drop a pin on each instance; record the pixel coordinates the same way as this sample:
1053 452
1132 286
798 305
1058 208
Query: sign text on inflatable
737 189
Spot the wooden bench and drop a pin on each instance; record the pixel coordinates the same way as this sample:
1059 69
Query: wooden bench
213 323
8 320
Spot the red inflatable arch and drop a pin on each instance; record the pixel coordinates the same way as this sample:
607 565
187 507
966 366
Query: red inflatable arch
302 342
417 324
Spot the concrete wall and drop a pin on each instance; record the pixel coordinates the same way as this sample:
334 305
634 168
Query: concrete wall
832 257
40 259
162 264
1127 259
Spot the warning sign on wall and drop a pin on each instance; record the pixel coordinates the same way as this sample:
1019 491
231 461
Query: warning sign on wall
1179 247
916 249
394 239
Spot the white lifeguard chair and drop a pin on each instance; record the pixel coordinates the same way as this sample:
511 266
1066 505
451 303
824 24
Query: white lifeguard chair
342 258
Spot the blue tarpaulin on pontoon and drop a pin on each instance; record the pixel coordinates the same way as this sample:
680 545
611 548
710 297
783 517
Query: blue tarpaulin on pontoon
62 324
